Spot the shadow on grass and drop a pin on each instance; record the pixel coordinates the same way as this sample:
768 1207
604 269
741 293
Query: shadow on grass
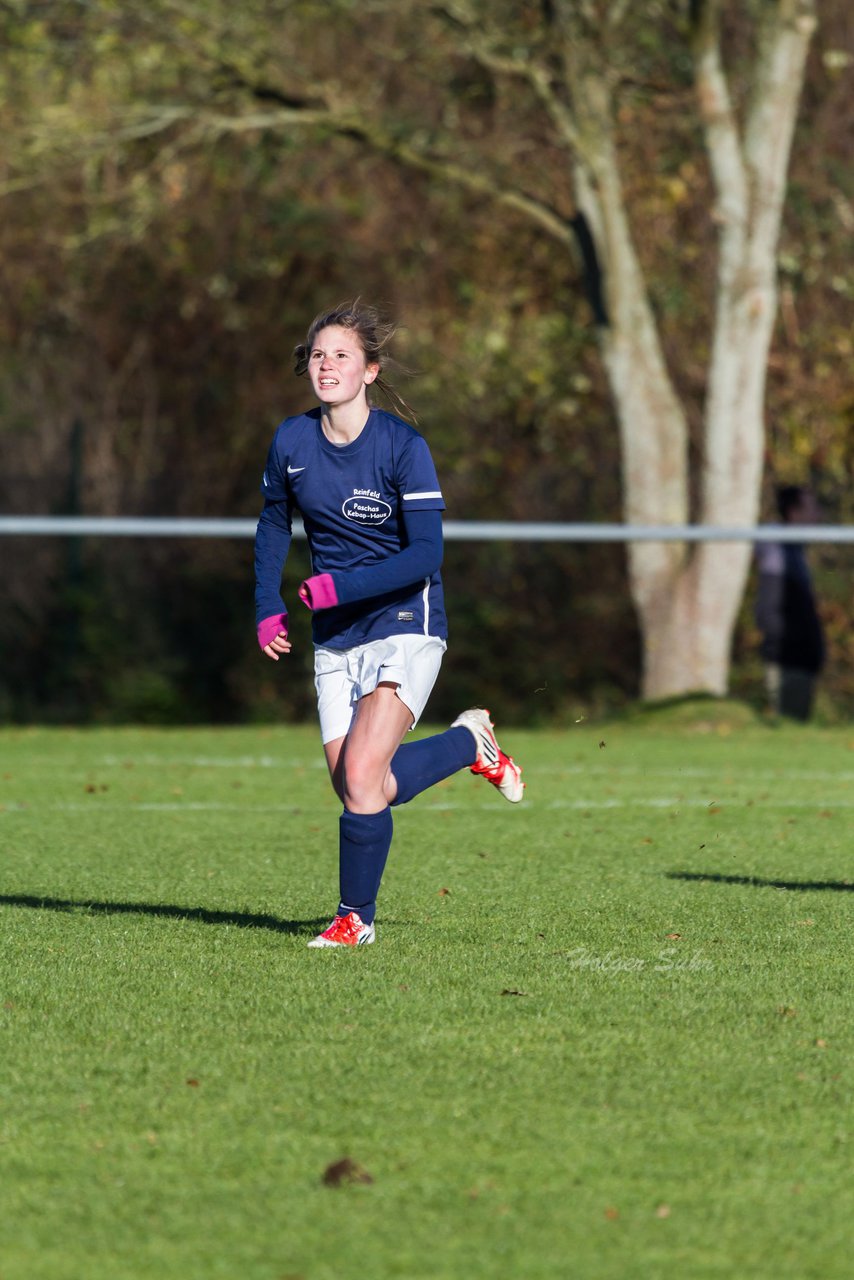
242 920
756 882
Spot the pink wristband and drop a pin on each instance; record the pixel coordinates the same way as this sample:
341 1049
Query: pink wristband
319 592
270 627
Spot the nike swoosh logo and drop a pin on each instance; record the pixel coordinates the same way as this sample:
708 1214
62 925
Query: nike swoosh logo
292 471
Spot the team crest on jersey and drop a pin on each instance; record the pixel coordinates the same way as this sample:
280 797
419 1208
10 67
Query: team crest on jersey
366 507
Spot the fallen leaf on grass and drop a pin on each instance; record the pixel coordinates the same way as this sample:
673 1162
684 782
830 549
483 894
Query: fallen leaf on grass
345 1170
673 936
511 991
611 1213
193 1083
444 893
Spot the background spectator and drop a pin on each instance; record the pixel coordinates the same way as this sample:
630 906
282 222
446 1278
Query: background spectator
792 637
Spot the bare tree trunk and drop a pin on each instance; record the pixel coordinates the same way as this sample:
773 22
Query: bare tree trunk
687 600
750 179
652 423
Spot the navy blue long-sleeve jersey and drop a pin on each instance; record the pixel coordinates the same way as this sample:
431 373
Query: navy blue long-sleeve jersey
371 511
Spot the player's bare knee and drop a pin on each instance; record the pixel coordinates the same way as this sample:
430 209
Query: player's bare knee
363 784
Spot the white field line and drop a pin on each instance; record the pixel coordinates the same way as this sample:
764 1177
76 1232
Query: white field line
676 803
614 772
214 762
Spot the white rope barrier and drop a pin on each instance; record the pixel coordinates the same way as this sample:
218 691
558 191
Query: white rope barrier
454 530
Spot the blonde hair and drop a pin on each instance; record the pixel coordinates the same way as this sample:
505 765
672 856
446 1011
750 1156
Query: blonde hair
374 334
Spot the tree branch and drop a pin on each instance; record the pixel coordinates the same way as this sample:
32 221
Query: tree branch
346 123
533 72
232 77
772 112
718 117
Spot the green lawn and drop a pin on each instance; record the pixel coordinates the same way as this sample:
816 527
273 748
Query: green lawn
604 1033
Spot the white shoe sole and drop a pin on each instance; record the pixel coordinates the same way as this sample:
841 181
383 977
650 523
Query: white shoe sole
364 941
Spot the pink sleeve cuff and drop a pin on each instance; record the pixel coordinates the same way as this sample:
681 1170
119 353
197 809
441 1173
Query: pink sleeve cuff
270 627
319 592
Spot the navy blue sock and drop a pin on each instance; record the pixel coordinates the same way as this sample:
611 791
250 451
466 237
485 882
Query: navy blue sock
417 765
364 842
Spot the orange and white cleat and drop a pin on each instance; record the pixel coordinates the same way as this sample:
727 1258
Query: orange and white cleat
346 931
499 769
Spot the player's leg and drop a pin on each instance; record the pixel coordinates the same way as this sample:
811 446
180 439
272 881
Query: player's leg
380 722
415 766
413 664
408 666
359 765
469 743
337 694
334 752
372 769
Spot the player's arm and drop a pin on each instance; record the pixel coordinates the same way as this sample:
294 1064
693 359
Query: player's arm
419 559
272 544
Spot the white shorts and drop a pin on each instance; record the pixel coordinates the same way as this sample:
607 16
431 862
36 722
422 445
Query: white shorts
343 676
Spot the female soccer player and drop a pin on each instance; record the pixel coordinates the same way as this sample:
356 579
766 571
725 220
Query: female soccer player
365 485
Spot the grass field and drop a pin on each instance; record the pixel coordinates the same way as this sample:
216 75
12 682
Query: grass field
604 1033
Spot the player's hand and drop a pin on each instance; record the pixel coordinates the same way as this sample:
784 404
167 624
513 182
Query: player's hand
278 645
273 636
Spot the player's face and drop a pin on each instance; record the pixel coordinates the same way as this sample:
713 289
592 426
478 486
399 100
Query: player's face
337 367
